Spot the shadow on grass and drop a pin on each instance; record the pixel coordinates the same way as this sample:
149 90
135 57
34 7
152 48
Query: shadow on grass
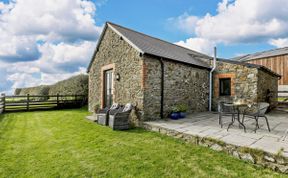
133 130
1 117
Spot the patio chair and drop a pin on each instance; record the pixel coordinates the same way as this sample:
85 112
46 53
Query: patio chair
119 119
226 109
103 114
255 112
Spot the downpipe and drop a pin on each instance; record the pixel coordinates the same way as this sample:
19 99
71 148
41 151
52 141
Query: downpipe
211 79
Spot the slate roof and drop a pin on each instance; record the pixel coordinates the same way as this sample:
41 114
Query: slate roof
250 66
263 54
153 46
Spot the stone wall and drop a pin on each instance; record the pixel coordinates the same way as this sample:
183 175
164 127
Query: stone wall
183 84
118 55
255 156
265 82
243 82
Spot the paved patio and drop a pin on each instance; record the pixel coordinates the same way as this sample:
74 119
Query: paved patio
206 125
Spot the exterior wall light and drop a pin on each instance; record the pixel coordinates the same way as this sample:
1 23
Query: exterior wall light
118 77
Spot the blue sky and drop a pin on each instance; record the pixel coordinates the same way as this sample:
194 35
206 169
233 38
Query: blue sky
151 17
44 41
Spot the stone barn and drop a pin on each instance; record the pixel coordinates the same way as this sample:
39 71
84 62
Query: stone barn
154 75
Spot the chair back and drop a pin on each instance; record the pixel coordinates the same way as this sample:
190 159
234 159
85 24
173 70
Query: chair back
114 106
262 108
128 107
225 107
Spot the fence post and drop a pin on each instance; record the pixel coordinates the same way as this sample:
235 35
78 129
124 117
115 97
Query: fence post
28 102
4 101
57 100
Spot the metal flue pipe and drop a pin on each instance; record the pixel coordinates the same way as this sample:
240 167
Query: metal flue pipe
211 79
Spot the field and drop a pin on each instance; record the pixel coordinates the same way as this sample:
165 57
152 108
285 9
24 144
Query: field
63 144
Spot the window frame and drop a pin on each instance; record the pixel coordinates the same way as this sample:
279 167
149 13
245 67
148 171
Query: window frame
221 85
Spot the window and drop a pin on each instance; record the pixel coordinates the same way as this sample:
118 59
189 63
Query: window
225 86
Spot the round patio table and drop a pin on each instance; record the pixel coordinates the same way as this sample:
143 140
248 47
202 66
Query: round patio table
237 106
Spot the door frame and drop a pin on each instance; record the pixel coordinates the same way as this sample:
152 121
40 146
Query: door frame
102 79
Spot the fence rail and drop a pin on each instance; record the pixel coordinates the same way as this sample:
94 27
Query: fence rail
37 102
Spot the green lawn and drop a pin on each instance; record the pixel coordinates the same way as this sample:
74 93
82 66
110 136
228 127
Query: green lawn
64 144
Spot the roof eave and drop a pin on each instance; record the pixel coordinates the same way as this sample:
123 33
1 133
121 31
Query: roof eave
97 47
125 38
101 37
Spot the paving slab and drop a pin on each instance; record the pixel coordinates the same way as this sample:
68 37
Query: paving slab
270 144
206 125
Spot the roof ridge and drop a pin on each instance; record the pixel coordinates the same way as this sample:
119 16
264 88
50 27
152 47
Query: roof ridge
205 55
266 51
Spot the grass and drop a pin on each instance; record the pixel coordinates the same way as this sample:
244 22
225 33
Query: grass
282 99
64 144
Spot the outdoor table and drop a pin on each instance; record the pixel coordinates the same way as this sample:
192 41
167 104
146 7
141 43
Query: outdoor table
237 106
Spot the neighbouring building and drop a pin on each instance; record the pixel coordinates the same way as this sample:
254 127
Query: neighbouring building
154 75
275 59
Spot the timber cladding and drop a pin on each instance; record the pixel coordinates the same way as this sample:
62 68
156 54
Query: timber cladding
278 64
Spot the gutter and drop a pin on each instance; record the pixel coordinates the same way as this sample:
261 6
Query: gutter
211 79
162 89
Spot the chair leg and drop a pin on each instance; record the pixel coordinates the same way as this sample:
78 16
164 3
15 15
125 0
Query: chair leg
258 127
220 120
233 120
267 123
243 119
256 124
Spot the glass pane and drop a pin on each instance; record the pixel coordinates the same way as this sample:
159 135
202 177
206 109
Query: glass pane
108 88
225 87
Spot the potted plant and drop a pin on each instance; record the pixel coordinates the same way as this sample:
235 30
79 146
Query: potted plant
182 110
175 113
97 108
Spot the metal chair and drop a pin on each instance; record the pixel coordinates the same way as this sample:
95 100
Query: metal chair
226 109
103 114
119 119
255 112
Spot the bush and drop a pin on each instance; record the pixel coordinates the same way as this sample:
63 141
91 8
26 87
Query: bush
40 90
74 85
17 91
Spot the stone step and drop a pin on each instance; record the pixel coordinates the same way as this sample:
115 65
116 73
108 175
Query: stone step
92 118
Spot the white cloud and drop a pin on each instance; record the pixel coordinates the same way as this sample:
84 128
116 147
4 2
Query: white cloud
63 52
58 62
241 21
65 19
23 24
23 80
279 43
27 80
184 23
198 44
17 48
45 41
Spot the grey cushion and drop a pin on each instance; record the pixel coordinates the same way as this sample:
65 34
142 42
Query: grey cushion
114 106
128 107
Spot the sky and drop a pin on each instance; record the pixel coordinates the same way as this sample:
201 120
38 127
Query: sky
44 41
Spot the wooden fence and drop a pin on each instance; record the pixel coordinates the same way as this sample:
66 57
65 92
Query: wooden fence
283 96
40 102
2 104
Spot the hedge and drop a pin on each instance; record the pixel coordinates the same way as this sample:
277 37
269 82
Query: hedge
74 85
